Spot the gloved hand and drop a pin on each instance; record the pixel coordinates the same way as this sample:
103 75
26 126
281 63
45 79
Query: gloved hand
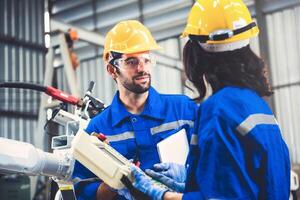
171 174
172 170
146 185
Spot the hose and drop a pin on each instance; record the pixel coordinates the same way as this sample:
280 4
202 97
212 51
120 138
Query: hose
23 85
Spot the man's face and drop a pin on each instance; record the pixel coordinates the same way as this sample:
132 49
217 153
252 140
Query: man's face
134 72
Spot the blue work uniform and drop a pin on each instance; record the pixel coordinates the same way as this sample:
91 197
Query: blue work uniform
136 135
238 151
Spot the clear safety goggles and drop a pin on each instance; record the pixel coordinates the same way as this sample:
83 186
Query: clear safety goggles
146 60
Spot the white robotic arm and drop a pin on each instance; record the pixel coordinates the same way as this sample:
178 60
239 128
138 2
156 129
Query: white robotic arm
21 157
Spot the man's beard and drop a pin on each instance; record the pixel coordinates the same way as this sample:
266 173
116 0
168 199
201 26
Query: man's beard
137 88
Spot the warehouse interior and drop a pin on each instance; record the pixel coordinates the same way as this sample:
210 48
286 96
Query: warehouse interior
36 46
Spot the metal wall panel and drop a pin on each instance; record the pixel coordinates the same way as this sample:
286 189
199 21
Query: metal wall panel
166 75
284 40
23 21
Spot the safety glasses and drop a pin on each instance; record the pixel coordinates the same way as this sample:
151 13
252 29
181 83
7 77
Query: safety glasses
131 63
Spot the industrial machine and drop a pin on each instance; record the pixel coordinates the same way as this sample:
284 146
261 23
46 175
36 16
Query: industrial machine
76 144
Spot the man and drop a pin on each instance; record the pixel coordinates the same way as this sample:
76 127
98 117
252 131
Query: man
138 117
238 152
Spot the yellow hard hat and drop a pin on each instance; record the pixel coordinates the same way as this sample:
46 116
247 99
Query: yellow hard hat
129 37
220 21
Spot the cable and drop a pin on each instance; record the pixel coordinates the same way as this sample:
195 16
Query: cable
51 91
23 85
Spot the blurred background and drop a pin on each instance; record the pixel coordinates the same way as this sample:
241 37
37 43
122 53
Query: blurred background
30 43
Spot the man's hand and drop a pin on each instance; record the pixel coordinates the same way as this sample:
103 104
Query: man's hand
105 192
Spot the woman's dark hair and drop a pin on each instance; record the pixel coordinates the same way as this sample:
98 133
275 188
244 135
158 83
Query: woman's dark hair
241 68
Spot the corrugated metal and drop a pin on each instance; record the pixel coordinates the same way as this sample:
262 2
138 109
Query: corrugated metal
284 40
22 20
166 75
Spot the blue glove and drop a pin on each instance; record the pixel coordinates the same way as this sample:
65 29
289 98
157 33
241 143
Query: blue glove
171 170
146 185
171 174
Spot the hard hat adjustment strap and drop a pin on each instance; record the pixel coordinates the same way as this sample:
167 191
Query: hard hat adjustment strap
215 36
244 29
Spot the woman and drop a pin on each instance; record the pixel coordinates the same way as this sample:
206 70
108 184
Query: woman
238 151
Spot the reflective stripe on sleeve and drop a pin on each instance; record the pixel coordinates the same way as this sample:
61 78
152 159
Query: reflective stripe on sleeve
253 120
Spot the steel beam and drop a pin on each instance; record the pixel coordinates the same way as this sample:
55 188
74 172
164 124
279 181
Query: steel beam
270 7
85 35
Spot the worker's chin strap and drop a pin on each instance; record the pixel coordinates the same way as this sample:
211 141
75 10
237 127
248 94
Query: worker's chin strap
220 35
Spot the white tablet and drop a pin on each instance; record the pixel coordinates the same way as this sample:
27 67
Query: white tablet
174 148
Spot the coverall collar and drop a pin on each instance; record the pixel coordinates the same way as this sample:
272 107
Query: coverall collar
153 108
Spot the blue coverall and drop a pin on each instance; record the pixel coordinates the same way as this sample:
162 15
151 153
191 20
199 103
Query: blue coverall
137 135
238 151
